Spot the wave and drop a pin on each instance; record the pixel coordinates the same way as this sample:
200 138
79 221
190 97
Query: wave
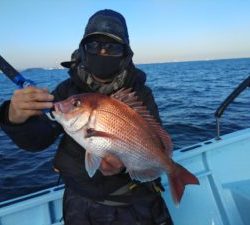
187 94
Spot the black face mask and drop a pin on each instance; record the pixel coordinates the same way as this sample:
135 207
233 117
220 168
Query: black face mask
103 67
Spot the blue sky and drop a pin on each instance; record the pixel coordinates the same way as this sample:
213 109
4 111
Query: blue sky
42 33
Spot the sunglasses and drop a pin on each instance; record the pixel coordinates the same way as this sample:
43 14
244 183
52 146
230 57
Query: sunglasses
112 49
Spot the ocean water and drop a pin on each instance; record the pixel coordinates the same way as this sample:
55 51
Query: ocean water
187 94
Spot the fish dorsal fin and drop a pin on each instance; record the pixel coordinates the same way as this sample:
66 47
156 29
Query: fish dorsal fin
129 97
157 129
164 136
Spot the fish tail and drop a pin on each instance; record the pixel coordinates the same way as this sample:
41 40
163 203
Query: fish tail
178 180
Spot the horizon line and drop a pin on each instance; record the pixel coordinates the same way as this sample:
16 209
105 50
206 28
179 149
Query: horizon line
165 62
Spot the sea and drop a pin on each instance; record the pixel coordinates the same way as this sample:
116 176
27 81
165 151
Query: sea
187 95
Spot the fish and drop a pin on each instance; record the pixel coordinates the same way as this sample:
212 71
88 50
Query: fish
120 125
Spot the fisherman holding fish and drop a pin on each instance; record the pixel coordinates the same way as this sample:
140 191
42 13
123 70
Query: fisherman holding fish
113 149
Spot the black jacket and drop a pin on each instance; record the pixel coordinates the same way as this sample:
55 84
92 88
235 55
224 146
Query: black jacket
38 133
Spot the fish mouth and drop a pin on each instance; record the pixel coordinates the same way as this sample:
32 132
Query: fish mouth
56 111
73 121
57 108
68 124
71 127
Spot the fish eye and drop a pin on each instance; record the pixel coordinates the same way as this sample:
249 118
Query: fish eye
76 103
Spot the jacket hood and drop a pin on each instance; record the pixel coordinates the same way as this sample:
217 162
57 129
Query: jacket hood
112 24
104 22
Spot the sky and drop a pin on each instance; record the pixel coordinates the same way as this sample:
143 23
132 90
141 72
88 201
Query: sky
43 33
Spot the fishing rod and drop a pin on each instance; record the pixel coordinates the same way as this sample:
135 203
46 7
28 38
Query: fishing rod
19 80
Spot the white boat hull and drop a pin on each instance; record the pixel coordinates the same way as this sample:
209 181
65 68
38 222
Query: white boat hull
222 198
223 169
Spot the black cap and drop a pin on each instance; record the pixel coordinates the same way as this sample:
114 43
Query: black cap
109 23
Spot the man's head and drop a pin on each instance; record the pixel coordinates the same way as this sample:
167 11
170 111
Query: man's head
104 56
105 46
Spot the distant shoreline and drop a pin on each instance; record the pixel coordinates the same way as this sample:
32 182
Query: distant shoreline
198 60
152 63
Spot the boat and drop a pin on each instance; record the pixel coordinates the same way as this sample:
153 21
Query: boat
222 198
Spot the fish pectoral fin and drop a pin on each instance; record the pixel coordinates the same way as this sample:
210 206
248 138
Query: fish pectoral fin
145 175
95 133
92 163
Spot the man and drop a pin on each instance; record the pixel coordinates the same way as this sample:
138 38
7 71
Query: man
103 63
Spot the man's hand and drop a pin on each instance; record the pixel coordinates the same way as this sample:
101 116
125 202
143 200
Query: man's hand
111 165
29 102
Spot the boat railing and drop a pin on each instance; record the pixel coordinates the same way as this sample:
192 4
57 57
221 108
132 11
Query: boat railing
220 110
40 208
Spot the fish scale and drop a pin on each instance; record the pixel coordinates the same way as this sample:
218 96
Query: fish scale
131 135
132 131
136 148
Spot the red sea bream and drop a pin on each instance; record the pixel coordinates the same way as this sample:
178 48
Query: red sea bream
120 125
